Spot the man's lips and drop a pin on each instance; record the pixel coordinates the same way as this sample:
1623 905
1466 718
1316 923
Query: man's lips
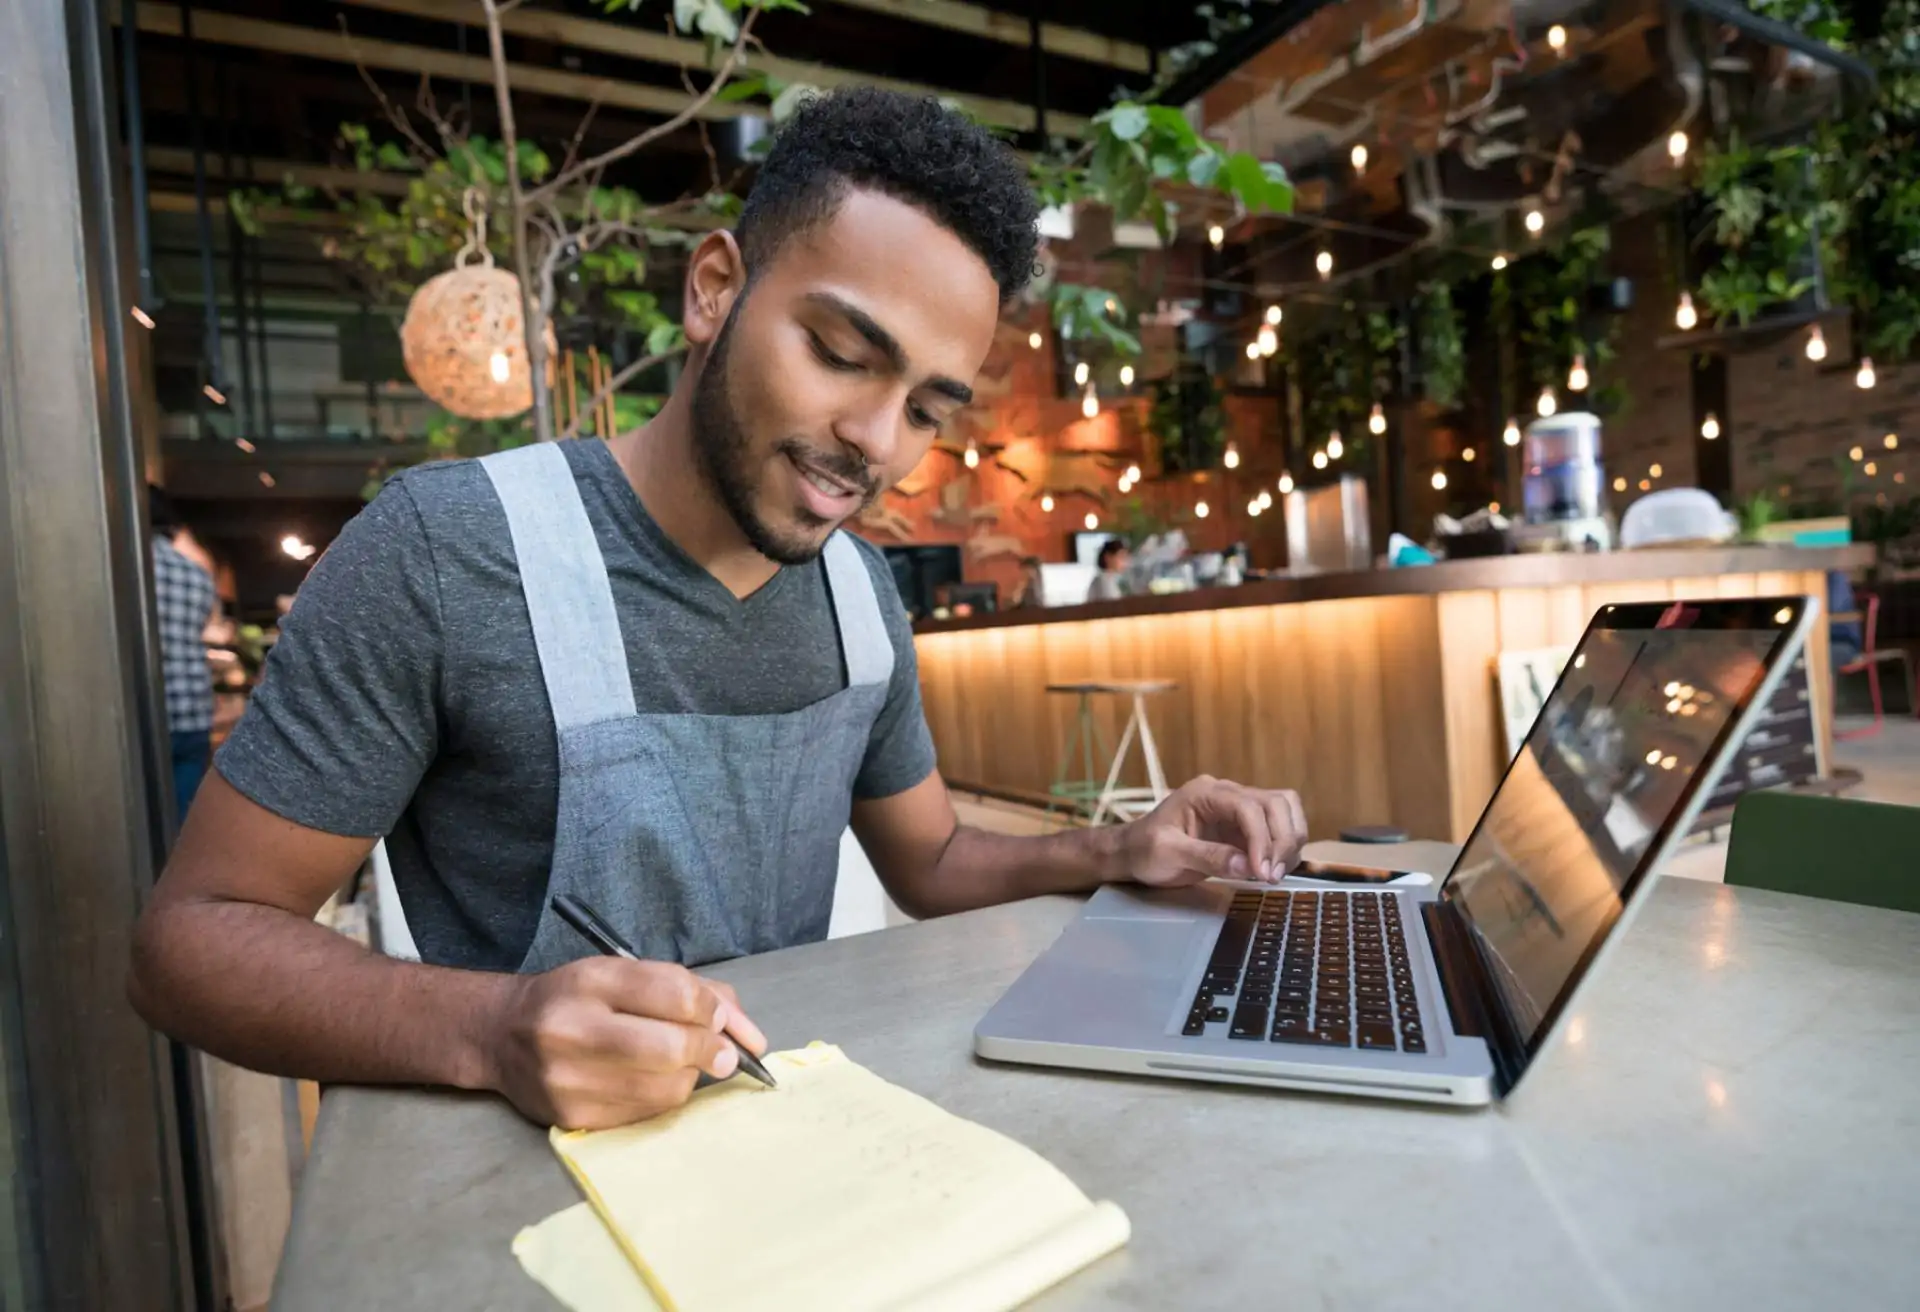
828 494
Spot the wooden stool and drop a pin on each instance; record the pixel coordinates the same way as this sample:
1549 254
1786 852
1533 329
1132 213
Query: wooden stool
1106 797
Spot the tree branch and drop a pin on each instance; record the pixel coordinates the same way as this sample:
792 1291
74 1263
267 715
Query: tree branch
721 75
530 300
619 380
395 115
579 134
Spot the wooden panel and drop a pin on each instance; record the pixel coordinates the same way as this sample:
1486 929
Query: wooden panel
1414 704
1469 642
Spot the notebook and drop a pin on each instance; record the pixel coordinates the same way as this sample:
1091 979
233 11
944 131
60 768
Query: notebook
838 1190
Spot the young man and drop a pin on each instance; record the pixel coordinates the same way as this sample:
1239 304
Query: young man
1110 584
647 672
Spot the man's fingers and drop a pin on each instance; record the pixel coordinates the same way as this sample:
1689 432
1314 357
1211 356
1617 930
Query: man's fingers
1202 858
1299 811
662 1046
737 1022
657 989
1287 826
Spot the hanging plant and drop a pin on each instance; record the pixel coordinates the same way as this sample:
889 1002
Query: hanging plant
1440 341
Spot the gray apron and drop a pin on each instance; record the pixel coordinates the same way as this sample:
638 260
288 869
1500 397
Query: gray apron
699 837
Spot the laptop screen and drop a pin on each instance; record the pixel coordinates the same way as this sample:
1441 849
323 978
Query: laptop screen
1638 714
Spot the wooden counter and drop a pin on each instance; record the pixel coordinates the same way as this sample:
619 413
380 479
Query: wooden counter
1371 693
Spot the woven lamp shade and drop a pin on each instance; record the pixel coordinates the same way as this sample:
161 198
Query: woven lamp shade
465 346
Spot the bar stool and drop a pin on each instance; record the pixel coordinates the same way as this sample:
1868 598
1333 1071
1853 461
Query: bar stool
1106 797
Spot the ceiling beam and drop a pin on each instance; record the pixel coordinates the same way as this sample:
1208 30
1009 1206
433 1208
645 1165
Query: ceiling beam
1013 30
630 41
271 172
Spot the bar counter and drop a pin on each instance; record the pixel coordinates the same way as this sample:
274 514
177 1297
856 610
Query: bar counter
1373 693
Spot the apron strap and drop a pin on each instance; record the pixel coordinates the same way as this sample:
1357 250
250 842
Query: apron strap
864 643
576 631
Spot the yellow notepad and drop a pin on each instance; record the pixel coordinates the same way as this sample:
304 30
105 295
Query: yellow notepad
836 1191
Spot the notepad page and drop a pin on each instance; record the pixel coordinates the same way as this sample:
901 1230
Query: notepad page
575 1258
835 1191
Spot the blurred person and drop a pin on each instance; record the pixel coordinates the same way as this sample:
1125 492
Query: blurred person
1029 592
185 602
1110 584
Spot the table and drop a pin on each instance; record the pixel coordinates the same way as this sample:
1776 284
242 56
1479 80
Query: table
1732 1125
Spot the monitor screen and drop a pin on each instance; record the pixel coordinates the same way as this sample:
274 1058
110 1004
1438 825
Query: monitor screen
1639 713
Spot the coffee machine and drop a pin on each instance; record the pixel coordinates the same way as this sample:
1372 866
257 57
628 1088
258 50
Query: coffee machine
1564 496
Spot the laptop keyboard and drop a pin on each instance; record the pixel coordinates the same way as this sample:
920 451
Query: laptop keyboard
1323 967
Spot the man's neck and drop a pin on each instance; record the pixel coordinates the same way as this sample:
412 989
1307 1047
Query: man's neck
659 461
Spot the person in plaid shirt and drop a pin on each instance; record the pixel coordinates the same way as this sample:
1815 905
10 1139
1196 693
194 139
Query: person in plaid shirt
184 599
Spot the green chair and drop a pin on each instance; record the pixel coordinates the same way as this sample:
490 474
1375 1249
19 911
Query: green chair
1831 847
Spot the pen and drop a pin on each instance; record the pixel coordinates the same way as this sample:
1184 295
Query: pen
598 932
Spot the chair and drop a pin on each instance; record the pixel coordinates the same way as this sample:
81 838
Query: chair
1868 662
1106 797
1831 847
391 934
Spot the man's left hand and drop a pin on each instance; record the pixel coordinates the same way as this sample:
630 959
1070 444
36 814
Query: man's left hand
1213 828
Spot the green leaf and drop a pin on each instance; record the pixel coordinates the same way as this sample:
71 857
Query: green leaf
791 99
1127 122
664 337
744 87
1204 168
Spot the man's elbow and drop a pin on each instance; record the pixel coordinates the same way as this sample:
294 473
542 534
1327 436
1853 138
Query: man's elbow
146 973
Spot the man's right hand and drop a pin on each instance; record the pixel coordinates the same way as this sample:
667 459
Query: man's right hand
605 1041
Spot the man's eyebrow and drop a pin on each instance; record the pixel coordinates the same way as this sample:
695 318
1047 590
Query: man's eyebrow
888 345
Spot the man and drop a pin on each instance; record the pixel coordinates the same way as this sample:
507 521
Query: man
1110 584
646 672
1032 590
184 599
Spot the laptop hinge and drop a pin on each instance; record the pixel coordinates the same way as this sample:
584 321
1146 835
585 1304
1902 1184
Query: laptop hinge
1471 1003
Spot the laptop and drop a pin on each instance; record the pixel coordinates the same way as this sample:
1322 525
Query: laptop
1408 988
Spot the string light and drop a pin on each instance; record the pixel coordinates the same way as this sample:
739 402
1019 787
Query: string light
1511 434
1710 427
1557 37
1684 315
1891 441
1645 486
1034 339
1324 262
1619 485
1216 235
1377 421
1046 503
1090 403
1126 375
1469 455
1677 146
1081 372
1133 474
1493 507
266 479
1268 341
1286 484
1577 379
1253 350
1816 344
1873 469
1546 405
1253 507
1499 261
1200 510
1536 222
1654 470
1335 447
1275 314
1265 499
1864 379
1856 455
1359 157
1319 459
499 367
214 394
1092 521
972 455
1439 480
1231 459
141 317
244 445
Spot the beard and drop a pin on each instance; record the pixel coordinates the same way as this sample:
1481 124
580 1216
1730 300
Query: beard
725 453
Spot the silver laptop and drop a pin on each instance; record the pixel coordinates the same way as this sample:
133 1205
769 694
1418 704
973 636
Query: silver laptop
1401 986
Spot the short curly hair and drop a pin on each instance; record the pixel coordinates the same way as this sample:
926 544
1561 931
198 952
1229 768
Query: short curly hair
909 147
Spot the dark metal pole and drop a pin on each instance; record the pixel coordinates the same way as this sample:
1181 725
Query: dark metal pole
236 257
136 141
210 340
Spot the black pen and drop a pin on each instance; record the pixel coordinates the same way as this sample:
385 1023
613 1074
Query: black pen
598 932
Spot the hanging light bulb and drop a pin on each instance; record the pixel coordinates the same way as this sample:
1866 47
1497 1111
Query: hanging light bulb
1092 521
1536 222
1231 459
1857 455
498 366
1439 480
1710 427
1871 469
1268 340
1677 146
244 445
1274 315
1253 507
1377 421
1864 379
1286 484
1324 263
1469 455
1684 315
1557 37
1253 349
971 457
1359 157
1200 510
1816 344
1266 500
1619 485
1046 503
214 394
1577 379
1546 405
1654 470
1511 435
1034 339
1499 261
1216 235
1319 459
1335 447
1891 441
141 317
1126 375
1090 403
1081 372
1133 474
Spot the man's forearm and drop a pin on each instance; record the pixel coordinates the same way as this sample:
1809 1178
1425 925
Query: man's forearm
275 992
982 869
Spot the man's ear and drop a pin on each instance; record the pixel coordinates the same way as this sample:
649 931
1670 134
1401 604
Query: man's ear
716 276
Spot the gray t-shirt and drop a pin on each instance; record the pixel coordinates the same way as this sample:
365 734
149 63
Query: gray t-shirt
404 697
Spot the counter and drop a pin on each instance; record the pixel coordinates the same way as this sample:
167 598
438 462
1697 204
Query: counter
1372 693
